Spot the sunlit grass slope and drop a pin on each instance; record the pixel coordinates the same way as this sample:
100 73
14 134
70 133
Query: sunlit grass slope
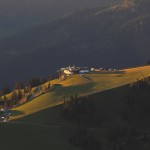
38 124
82 85
109 80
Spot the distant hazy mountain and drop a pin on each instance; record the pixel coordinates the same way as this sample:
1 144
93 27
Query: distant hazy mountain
16 16
115 36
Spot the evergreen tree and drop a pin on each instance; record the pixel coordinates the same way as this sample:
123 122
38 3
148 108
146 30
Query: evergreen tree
1 102
28 89
20 95
14 98
34 82
19 85
5 90
5 99
49 85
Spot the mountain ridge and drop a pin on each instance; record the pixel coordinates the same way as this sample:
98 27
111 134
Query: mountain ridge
115 36
17 17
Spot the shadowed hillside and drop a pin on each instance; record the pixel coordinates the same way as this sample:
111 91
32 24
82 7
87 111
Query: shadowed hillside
116 36
19 16
118 120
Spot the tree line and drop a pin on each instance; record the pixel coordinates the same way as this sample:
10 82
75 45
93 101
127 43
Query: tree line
14 99
79 109
138 99
19 91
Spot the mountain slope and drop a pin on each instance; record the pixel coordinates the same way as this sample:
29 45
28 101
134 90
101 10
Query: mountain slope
39 122
116 36
18 16
80 85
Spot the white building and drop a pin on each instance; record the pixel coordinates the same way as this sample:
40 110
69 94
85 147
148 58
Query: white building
67 72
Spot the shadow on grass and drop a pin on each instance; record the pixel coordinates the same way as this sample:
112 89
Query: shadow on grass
107 104
50 115
75 89
16 113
